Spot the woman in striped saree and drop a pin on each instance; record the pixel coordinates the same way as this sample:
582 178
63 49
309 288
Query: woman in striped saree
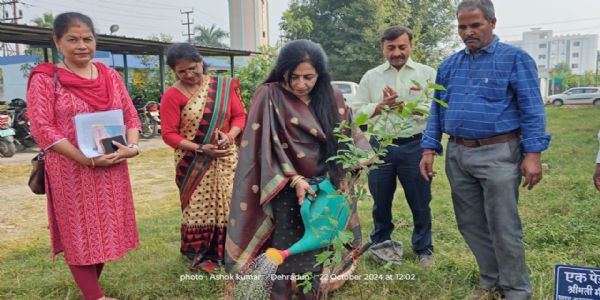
201 116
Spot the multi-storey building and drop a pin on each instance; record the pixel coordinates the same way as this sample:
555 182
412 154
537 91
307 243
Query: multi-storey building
578 51
248 24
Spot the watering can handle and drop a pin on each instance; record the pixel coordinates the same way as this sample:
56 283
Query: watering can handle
307 204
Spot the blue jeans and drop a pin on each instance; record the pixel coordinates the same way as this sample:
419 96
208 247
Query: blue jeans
402 162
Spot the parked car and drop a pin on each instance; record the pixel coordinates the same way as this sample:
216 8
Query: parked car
347 88
578 95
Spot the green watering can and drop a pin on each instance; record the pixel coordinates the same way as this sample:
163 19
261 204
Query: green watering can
323 217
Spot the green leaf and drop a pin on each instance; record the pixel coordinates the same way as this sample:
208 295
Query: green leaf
306 285
417 84
440 102
337 258
423 111
410 105
322 257
361 119
436 87
345 236
333 158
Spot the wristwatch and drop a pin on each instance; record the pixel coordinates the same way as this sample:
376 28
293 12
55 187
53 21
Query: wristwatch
199 149
136 147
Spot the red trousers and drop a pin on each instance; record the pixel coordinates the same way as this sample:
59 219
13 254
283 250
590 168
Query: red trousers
87 278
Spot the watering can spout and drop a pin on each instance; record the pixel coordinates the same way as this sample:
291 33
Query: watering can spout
323 217
277 256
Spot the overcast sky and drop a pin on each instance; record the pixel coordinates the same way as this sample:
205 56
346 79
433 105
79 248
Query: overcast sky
141 18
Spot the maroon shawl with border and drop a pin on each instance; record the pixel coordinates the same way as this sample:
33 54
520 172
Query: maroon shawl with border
281 139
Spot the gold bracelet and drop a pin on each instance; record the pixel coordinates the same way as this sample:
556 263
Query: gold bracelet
93 163
295 180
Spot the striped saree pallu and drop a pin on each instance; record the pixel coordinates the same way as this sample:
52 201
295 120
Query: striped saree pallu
204 183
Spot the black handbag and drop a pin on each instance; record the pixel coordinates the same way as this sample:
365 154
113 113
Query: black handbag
37 177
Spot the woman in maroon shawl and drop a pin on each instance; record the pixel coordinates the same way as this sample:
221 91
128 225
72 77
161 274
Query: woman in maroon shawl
90 205
288 138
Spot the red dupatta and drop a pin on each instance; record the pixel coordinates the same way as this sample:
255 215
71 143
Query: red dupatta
98 92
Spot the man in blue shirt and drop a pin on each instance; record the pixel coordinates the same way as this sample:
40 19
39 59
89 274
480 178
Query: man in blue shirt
496 122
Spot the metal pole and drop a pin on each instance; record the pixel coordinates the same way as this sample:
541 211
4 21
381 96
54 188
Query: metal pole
161 67
125 71
231 58
14 5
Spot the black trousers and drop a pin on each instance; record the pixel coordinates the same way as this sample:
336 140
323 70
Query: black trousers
401 162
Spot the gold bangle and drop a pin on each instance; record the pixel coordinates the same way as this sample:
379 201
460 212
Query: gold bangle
298 179
295 180
93 163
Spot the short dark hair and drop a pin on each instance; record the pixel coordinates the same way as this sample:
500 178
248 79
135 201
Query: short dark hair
183 51
63 21
486 6
395 32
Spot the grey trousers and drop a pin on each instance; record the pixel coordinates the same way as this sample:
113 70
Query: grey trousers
485 192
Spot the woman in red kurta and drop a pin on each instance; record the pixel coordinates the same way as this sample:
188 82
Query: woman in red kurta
90 206
200 118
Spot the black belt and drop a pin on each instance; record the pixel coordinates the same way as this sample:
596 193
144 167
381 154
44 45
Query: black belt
402 140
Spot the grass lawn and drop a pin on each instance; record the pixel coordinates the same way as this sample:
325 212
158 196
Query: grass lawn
560 218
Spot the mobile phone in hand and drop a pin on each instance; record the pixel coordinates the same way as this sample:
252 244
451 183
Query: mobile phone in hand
108 145
218 137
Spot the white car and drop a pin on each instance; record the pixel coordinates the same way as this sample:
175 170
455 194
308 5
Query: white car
347 88
578 95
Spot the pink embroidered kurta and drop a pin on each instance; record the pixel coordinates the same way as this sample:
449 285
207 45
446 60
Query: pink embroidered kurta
90 211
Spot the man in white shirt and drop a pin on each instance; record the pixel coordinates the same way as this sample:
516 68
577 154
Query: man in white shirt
390 85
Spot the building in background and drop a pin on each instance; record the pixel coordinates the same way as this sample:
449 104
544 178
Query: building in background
248 24
579 52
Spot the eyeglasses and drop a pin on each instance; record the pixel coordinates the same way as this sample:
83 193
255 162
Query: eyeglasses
196 68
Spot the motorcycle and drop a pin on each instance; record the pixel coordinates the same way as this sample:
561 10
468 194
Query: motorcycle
7 145
148 113
20 124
